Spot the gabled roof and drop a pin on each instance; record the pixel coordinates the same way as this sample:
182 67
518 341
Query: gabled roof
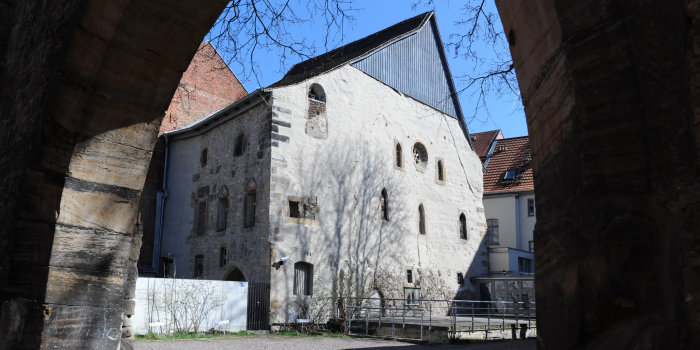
344 54
408 56
511 153
482 142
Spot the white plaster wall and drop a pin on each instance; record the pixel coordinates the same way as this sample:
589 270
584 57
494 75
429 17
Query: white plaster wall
347 171
498 261
224 300
183 162
527 223
503 208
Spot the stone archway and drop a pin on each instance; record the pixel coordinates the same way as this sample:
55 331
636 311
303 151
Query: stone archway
236 275
90 81
611 93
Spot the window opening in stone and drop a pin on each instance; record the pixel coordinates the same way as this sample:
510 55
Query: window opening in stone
530 207
460 278
411 295
531 246
222 256
203 158
239 146
441 174
201 218
421 219
384 204
462 226
510 174
250 209
222 213
492 230
399 161
420 156
303 278
294 211
409 276
316 93
199 266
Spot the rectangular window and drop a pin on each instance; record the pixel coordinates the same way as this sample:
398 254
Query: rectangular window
303 278
492 231
199 266
524 265
294 211
201 218
222 256
409 276
531 246
203 158
460 278
530 207
250 209
411 296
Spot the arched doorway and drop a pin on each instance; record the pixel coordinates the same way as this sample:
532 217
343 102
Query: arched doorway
236 275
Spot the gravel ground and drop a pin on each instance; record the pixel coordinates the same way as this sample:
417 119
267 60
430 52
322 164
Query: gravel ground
264 342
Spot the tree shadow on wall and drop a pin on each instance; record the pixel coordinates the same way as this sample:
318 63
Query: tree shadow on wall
350 241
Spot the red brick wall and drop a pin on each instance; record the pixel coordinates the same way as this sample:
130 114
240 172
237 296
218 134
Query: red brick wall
206 86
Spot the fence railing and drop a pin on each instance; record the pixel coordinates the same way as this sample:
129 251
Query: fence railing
452 318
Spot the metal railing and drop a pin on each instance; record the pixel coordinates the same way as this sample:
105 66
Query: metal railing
451 318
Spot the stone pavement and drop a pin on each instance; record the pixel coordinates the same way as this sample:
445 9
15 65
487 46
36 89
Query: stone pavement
269 342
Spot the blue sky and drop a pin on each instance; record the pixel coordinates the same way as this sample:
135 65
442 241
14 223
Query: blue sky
499 111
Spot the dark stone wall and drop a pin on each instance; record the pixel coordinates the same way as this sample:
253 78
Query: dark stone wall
610 94
85 85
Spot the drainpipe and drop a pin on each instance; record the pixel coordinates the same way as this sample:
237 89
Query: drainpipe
517 221
160 213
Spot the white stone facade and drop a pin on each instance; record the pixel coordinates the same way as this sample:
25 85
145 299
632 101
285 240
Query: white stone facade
339 172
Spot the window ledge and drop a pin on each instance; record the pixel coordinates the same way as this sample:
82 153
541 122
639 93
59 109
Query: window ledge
302 221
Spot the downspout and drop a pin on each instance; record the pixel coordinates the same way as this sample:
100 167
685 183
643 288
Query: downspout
160 220
517 222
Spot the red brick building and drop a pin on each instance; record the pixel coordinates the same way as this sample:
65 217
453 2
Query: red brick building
207 86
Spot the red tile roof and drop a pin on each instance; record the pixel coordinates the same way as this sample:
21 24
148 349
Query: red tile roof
511 153
482 142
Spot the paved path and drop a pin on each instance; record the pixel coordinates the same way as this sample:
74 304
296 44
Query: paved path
269 342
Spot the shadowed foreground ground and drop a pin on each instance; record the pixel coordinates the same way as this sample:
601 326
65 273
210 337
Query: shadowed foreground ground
304 343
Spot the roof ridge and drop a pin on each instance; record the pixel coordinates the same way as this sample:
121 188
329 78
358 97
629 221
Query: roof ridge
350 51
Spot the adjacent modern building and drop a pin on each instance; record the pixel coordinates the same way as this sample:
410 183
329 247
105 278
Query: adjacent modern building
509 202
351 176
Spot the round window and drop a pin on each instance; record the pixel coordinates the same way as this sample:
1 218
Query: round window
420 156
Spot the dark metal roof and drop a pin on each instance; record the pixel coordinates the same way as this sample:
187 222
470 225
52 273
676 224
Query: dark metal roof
334 58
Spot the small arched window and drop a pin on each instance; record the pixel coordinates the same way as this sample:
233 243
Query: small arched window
399 159
316 93
203 158
198 266
384 205
421 219
239 146
462 226
222 210
250 204
440 171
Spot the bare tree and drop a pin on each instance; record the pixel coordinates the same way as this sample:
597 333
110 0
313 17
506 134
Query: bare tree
248 26
493 70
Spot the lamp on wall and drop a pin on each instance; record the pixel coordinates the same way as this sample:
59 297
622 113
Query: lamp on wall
279 263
